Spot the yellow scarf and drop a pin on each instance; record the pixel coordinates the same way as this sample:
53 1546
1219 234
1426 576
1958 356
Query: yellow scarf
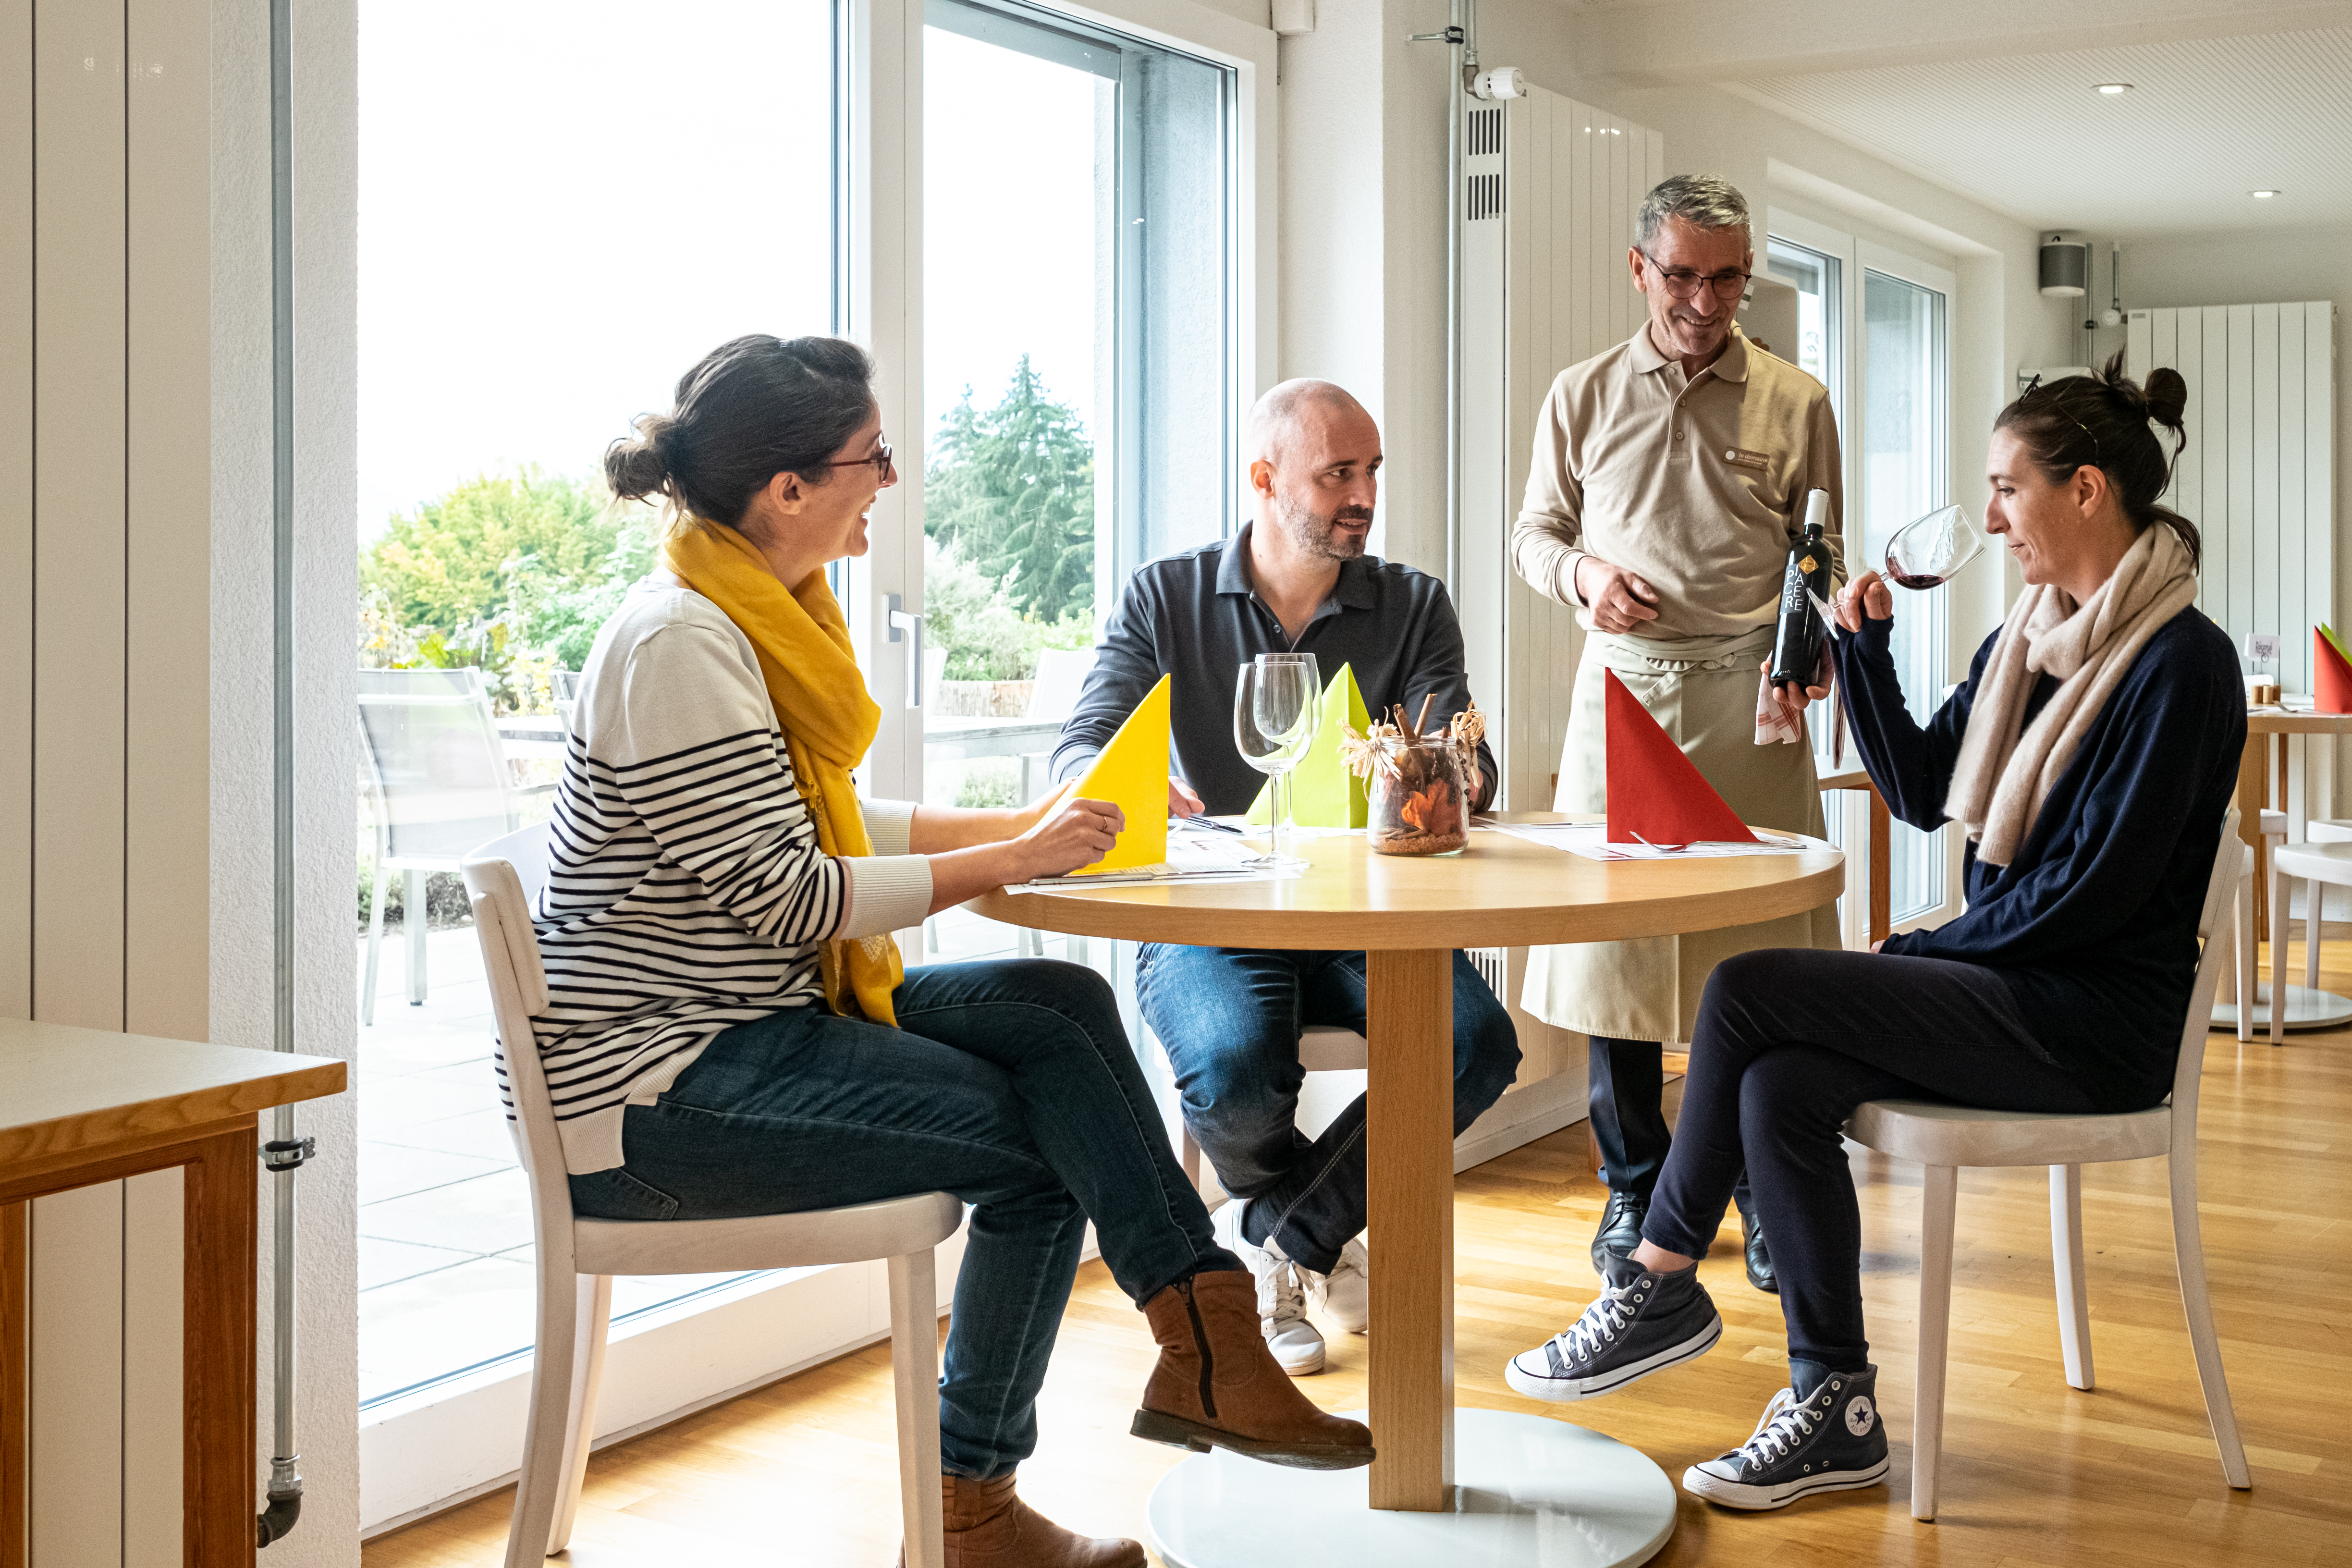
829 722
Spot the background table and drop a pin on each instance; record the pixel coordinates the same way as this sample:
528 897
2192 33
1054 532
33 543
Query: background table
2262 783
1409 915
84 1106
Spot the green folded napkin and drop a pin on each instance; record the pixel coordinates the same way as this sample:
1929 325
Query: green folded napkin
1323 793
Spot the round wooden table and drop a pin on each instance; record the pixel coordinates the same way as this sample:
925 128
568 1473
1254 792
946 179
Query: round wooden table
1409 915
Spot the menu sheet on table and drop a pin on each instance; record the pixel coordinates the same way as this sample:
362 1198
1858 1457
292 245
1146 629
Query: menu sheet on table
1191 857
1590 839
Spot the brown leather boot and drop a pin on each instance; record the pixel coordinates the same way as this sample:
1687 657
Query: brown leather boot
1217 1385
986 1526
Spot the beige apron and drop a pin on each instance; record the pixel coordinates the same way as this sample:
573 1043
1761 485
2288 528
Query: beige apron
1702 690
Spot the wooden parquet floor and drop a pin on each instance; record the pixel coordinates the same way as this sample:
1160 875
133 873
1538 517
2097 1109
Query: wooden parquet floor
2034 1473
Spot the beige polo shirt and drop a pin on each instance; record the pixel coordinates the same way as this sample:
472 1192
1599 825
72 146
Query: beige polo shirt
1697 486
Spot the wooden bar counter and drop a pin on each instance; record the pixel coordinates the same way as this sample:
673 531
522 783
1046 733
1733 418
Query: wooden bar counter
79 1107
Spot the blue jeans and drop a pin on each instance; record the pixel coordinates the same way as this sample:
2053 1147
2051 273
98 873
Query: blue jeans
1230 1019
1010 1085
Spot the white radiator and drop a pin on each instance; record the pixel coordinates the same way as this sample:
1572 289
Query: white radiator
1551 187
2258 476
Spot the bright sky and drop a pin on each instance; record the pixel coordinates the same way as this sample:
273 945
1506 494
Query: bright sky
562 206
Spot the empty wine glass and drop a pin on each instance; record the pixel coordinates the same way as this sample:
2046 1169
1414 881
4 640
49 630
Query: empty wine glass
1929 550
1273 724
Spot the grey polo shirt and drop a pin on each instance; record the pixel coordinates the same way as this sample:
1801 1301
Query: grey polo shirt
1196 616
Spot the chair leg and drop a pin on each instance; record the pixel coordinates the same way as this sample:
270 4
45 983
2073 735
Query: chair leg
915 1375
593 1309
541 1482
2314 897
2281 888
413 917
1188 1155
1938 1192
2066 1262
2245 955
2197 1304
374 945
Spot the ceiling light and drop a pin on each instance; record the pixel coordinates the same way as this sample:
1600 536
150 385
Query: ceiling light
2261 195
2115 88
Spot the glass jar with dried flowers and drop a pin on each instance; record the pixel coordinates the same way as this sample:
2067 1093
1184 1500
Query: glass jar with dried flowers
1418 780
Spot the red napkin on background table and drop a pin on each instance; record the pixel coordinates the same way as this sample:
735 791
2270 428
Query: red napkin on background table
1655 795
2331 677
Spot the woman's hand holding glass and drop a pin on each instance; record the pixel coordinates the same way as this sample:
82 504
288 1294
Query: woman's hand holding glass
1866 595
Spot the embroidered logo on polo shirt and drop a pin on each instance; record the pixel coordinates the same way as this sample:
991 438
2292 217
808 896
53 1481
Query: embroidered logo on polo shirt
1741 457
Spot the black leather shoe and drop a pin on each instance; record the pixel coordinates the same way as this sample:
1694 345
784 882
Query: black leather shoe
1759 1255
1620 1229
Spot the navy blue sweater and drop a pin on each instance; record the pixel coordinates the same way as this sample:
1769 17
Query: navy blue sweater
2095 923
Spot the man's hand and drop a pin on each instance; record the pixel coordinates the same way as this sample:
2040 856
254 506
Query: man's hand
1867 592
1791 693
1617 600
1181 801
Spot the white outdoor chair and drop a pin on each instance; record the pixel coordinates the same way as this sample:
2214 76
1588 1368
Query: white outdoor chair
1942 1138
1061 676
438 783
578 1258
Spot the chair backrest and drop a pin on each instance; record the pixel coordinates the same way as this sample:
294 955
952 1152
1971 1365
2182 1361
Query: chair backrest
1061 676
432 754
563 685
2221 894
503 880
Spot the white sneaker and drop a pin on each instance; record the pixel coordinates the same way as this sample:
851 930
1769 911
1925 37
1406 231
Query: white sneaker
1345 1295
1297 1346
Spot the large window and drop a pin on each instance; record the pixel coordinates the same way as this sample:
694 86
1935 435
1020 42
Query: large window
1078 393
1905 475
561 208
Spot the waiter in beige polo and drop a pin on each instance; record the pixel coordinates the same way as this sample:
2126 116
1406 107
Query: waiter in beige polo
1668 482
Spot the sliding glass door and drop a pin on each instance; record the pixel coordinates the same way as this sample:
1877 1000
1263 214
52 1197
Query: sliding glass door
561 208
1079 385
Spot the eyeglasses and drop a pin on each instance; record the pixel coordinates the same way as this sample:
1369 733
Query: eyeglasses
2035 386
884 466
1683 283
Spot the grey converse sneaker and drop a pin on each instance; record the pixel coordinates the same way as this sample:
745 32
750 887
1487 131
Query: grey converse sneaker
1296 1345
1831 1441
1642 1322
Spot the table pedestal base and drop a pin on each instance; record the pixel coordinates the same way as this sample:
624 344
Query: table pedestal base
1527 1490
2306 1009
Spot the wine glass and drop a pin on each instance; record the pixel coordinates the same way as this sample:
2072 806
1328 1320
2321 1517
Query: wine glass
1930 549
1273 724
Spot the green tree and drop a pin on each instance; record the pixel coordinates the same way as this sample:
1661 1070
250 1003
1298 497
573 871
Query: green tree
453 564
1013 491
985 636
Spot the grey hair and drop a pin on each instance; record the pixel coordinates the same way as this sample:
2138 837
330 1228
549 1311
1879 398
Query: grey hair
1703 201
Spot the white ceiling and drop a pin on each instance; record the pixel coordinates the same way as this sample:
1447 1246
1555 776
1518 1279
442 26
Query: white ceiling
2208 120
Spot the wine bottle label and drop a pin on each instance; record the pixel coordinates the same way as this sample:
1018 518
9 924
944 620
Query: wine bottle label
1809 565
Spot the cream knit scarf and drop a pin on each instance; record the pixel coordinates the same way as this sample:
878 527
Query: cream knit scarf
2002 777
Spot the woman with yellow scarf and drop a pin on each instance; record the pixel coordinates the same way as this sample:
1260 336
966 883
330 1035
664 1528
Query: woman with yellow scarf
731 1029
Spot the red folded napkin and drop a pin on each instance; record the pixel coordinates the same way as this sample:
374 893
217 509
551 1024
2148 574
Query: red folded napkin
2331 677
1655 796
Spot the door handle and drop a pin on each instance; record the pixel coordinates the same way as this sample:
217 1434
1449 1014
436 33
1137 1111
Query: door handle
911 624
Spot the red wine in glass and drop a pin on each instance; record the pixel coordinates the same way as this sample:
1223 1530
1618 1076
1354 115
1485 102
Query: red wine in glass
1930 549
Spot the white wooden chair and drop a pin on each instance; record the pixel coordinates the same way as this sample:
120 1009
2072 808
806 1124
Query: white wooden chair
578 1258
1943 1138
2322 863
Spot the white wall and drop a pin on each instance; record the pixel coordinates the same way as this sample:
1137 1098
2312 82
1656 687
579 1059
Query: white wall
325 108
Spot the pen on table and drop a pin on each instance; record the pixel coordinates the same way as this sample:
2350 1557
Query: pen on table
1212 824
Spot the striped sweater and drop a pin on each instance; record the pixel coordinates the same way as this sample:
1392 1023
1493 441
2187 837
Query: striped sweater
685 891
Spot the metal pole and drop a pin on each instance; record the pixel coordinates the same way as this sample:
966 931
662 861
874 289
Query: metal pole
1455 40
285 1153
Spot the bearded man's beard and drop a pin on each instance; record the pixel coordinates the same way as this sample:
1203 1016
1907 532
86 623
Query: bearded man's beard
1316 534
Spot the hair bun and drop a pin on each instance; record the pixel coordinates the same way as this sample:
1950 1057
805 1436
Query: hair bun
2167 396
639 469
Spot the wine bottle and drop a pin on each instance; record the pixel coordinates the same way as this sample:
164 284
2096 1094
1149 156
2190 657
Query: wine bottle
1797 639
